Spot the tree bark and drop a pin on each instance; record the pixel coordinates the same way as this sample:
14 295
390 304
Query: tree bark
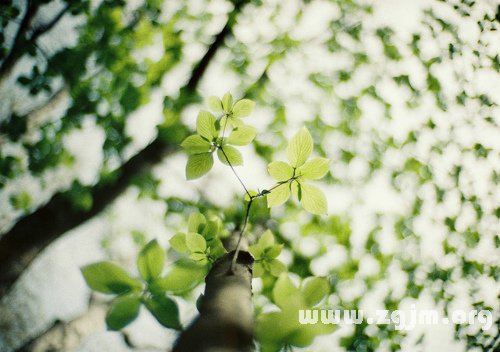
226 321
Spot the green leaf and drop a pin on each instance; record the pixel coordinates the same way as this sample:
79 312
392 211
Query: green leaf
278 196
122 312
230 155
283 290
199 257
313 200
276 267
184 275
217 249
280 171
243 108
107 277
300 147
195 242
227 102
273 251
165 310
178 243
258 270
205 125
314 169
151 260
296 189
195 144
215 104
198 165
242 135
266 240
230 121
195 222
314 289
212 228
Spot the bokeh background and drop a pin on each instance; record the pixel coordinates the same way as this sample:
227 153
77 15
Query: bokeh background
401 95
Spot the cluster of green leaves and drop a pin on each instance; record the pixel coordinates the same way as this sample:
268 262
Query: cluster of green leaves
201 242
109 278
200 246
291 176
277 329
265 251
211 137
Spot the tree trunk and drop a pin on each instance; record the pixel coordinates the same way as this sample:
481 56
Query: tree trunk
225 322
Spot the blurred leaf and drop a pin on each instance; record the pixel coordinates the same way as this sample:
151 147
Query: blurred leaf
122 311
165 310
151 260
107 277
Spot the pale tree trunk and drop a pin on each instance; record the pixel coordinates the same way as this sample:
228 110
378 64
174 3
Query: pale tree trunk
226 319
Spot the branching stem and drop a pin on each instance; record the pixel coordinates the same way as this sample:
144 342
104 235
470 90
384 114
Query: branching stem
250 199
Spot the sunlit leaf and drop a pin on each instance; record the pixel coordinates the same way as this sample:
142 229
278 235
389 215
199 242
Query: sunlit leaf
276 267
151 260
205 125
231 122
273 251
227 102
314 169
195 242
198 165
266 239
242 135
313 200
195 144
280 171
196 221
178 242
278 195
107 277
215 104
314 289
300 147
228 154
184 275
243 108
283 290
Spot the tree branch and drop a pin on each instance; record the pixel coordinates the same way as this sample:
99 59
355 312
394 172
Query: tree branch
29 236
20 40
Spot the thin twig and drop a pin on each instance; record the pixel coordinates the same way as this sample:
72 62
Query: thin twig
234 171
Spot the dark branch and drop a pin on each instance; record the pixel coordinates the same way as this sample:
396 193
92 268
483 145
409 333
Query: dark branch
44 28
20 39
29 236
